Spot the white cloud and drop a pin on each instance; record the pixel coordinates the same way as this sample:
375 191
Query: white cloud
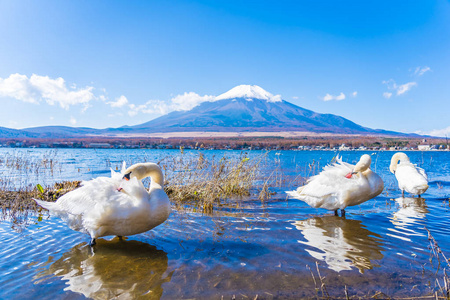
445 132
183 102
42 88
73 121
135 109
329 97
120 102
187 101
340 97
355 93
295 97
387 95
421 70
399 89
405 87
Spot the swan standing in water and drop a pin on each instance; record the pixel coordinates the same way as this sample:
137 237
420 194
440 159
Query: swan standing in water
410 178
341 185
119 205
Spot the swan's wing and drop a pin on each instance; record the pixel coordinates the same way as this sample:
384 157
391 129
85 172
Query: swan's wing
101 191
337 169
411 179
116 175
422 172
133 187
327 182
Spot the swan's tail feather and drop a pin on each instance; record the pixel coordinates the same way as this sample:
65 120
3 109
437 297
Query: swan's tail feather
47 205
293 194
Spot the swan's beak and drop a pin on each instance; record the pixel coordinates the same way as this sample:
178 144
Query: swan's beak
349 175
119 189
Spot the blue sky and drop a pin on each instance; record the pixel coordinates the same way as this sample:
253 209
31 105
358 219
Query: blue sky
383 64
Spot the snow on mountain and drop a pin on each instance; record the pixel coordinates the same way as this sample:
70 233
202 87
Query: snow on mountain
249 92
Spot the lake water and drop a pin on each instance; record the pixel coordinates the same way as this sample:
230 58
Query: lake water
260 250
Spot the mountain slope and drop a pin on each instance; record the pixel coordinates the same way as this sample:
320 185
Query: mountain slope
9 133
250 114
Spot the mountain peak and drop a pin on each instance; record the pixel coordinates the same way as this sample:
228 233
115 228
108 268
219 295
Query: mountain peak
249 92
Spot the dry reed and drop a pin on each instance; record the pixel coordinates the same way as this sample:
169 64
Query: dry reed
207 183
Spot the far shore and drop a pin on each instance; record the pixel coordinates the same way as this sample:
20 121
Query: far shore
230 134
268 140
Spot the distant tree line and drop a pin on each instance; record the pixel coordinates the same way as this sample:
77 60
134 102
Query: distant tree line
274 142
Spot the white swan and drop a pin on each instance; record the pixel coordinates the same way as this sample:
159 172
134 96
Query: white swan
340 185
119 205
410 178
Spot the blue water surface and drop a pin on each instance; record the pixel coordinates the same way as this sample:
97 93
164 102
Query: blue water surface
269 250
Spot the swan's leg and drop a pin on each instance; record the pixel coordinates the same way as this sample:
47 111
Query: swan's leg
336 213
343 213
420 196
120 237
403 193
92 242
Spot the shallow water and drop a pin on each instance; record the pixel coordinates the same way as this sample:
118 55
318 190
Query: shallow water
267 249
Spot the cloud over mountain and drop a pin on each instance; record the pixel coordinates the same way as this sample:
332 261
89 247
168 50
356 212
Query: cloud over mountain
339 97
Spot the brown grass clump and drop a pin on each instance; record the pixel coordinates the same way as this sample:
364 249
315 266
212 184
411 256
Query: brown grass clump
206 183
17 204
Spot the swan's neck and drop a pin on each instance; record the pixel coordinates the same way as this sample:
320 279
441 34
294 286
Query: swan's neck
143 170
399 156
363 164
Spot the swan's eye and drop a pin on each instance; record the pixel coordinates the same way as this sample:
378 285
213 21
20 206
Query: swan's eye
127 176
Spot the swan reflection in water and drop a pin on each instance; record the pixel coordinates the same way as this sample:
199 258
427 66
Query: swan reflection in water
411 213
340 243
117 269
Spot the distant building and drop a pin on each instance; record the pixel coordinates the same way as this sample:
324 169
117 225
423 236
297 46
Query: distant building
343 147
423 147
99 145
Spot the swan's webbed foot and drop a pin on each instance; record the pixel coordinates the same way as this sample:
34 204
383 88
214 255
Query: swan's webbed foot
92 242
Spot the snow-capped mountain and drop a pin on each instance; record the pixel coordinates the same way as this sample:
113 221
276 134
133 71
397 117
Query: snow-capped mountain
250 108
